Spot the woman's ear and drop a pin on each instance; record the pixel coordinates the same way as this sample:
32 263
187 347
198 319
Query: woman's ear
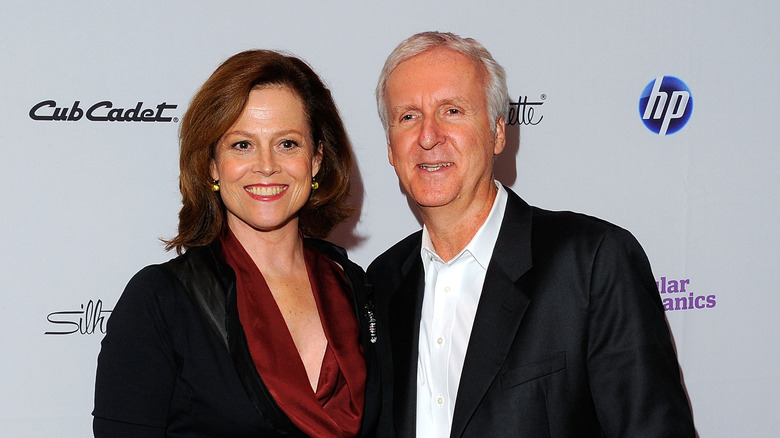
316 159
213 170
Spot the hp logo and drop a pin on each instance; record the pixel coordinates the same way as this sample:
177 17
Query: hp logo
666 105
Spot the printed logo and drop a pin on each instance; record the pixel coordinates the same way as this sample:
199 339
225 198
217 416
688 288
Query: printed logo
103 111
91 318
665 105
523 112
676 295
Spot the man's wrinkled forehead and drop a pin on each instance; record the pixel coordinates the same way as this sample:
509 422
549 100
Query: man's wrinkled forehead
440 74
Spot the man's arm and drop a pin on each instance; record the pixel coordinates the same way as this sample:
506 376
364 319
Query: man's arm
632 366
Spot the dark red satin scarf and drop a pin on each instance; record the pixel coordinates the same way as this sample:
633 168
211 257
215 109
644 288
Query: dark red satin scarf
335 410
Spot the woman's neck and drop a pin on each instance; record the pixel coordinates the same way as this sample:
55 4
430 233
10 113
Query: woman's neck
279 250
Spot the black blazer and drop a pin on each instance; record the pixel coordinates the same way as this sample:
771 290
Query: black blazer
175 362
569 338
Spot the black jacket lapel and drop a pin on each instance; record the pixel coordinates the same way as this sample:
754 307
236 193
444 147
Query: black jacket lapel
501 308
210 283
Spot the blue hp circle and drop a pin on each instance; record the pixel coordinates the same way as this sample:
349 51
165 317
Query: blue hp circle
666 105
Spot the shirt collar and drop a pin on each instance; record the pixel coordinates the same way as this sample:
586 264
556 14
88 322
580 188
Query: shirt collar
481 245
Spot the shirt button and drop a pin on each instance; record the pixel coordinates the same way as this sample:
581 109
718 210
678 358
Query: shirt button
447 289
440 341
440 401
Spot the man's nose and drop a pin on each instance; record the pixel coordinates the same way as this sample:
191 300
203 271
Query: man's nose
430 133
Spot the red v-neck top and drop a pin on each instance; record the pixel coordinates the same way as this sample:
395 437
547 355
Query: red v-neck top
336 409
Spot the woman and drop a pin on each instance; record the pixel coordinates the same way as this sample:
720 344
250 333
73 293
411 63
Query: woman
255 330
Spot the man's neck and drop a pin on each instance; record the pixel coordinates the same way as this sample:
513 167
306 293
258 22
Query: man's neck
452 227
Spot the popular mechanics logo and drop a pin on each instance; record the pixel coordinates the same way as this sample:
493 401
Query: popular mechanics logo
103 111
90 318
678 295
665 105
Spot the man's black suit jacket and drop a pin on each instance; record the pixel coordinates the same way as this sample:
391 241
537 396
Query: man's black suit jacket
569 339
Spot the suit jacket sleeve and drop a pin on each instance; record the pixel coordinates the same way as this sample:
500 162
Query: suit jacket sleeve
136 366
632 367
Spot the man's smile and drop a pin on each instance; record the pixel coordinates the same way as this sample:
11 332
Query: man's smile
433 167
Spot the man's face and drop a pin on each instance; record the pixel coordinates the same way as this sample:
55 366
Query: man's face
441 139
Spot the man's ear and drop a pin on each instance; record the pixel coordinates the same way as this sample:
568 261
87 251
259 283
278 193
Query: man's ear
390 154
500 140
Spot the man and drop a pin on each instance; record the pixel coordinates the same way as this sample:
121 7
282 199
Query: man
505 319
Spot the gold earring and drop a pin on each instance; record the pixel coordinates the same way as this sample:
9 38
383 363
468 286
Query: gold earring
215 185
314 184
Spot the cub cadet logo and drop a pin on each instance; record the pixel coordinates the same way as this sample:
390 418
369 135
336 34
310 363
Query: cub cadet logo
102 112
665 105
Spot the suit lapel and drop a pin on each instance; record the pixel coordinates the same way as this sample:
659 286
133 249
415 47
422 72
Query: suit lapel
501 308
405 310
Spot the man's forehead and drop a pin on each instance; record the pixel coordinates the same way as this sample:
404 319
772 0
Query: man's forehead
436 56
439 73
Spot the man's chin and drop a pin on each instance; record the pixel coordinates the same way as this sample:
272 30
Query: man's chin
431 202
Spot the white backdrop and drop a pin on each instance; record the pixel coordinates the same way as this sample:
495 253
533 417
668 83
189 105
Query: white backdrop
84 202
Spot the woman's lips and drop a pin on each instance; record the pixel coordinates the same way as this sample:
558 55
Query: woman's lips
266 192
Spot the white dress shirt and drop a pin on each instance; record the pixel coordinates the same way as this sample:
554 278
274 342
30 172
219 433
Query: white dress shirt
452 292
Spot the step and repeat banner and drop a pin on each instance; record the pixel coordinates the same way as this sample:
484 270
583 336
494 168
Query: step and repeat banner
659 116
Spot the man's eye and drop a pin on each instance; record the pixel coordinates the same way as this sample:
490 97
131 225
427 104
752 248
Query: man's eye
453 111
407 117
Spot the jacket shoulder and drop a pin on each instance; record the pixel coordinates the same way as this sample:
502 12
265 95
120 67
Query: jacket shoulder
571 224
579 238
356 276
332 251
396 255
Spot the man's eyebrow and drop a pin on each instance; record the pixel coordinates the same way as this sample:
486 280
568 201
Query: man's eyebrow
402 108
455 100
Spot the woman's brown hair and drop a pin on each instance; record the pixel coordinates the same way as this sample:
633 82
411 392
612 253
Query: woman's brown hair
213 111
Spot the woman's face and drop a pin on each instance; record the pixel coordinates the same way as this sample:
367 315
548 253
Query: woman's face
265 162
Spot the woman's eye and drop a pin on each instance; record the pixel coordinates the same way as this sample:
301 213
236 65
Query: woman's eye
241 145
288 144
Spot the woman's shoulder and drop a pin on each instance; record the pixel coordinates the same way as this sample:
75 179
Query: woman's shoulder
153 286
354 272
152 279
334 252
163 281
329 249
